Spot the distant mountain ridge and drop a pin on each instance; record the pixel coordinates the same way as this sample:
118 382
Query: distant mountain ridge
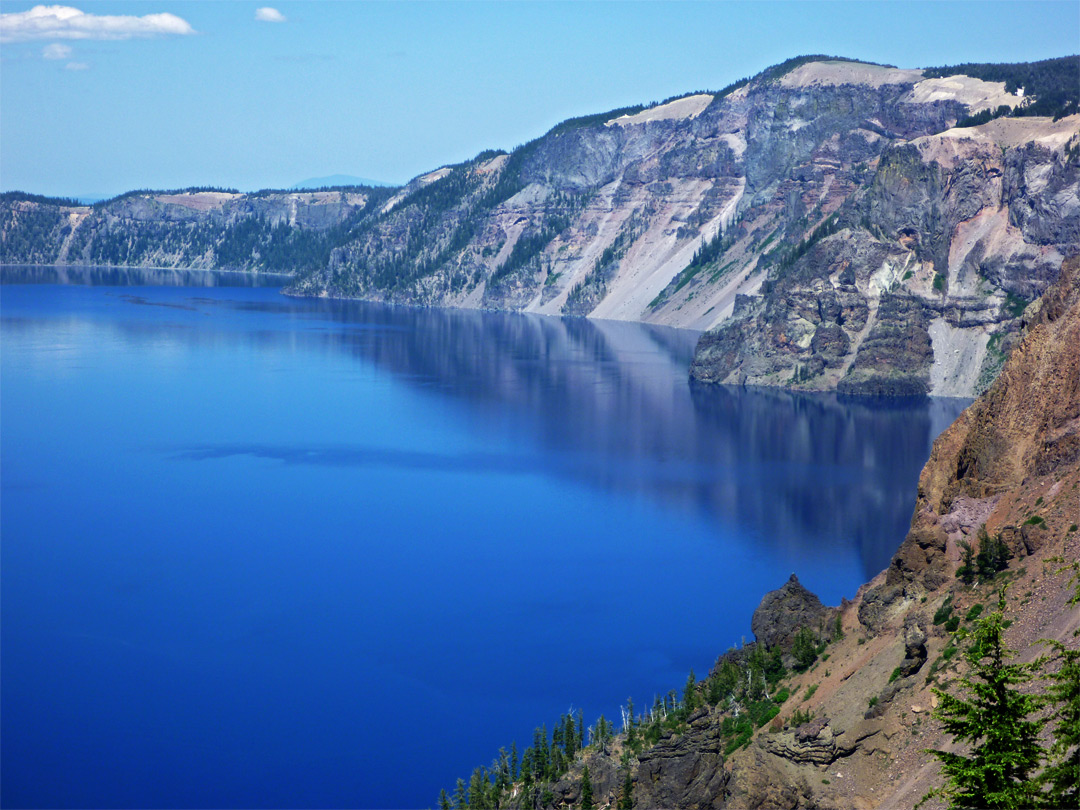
828 220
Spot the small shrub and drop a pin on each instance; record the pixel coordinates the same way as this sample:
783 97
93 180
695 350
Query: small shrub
1039 501
895 675
944 612
1034 520
1073 528
873 701
993 554
973 612
768 715
782 695
939 282
948 652
934 667
738 742
810 691
799 717
953 624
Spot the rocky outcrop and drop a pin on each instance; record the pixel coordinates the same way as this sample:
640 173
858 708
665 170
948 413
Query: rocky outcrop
603 775
761 780
812 743
683 770
914 646
785 611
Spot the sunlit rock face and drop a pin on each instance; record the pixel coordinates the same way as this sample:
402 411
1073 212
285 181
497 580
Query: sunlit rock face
829 222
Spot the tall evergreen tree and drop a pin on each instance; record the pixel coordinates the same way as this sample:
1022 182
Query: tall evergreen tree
626 800
444 800
478 790
540 751
997 720
804 649
690 693
1062 775
502 771
586 790
461 801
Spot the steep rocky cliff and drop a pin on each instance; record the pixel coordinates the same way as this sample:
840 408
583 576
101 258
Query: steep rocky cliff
186 229
848 723
838 225
918 285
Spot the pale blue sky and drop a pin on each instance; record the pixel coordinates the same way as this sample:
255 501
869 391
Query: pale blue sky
389 90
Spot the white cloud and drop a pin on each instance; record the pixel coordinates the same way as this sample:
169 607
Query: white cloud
56 51
269 15
65 22
76 66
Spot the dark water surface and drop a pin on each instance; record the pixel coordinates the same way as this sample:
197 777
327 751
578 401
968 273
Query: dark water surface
260 551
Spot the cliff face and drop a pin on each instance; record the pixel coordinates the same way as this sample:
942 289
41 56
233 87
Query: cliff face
920 287
1025 428
193 229
857 238
851 728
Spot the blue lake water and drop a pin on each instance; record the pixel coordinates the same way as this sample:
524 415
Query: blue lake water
260 551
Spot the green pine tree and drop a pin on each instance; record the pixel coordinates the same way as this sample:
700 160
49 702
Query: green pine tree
1062 775
804 649
966 572
444 800
626 800
586 790
690 693
460 800
478 790
997 721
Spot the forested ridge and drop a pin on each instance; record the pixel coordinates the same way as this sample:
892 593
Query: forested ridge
1052 86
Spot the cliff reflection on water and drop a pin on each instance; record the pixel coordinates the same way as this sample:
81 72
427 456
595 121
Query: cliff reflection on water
613 400
609 401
